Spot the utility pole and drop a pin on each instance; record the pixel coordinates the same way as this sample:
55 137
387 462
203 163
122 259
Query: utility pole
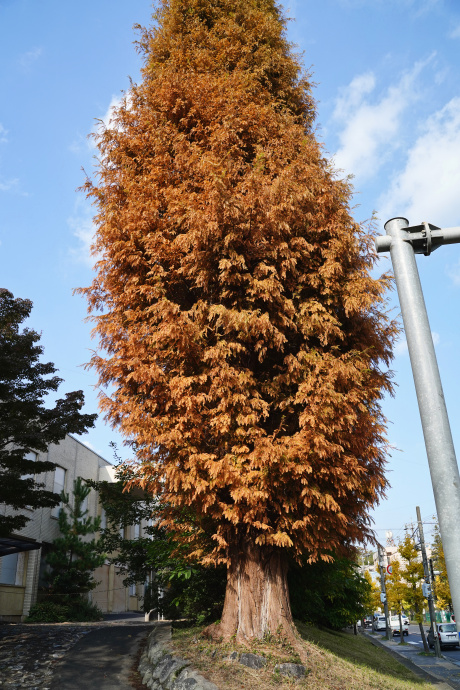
433 589
383 592
429 588
403 242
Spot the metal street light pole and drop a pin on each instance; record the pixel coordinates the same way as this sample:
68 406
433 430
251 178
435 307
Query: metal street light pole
404 242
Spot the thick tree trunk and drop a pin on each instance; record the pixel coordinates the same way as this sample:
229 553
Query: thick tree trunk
257 596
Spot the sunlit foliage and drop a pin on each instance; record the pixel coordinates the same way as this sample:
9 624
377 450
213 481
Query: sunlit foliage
244 340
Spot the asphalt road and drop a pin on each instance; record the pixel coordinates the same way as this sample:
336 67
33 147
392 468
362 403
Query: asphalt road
415 638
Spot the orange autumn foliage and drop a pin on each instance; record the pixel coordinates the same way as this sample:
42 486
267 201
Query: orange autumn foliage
243 335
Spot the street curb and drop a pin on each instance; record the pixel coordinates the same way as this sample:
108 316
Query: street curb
441 683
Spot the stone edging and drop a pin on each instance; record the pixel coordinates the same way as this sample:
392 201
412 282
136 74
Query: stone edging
160 670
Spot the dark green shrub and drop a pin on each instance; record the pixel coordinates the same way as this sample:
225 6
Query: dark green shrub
77 610
47 612
330 595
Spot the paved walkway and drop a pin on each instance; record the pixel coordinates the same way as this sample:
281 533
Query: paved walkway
102 659
443 673
67 656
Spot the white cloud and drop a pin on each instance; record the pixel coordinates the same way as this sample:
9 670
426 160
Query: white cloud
428 186
81 224
369 133
83 144
455 33
436 338
3 133
351 97
27 59
9 185
107 119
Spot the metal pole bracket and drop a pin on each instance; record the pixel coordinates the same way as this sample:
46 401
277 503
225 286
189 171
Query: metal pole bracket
424 238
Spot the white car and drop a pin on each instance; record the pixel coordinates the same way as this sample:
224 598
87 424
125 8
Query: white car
395 627
379 623
447 635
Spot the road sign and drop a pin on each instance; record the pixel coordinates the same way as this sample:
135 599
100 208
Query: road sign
389 569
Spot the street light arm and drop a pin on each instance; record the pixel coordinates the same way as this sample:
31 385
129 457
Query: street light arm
424 238
451 235
383 243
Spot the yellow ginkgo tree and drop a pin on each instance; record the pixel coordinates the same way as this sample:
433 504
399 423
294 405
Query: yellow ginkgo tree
398 594
441 581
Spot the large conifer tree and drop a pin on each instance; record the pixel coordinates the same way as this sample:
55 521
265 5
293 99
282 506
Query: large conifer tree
244 336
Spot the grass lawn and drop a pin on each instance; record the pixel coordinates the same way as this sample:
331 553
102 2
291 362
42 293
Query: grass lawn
334 661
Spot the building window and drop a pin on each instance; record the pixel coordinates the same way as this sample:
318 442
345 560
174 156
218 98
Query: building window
103 517
8 570
83 509
136 531
33 457
59 485
132 590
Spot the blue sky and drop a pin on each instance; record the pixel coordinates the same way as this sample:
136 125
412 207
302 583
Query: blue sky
388 92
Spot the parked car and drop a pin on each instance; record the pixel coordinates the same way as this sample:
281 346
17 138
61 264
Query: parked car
368 622
380 623
395 627
447 635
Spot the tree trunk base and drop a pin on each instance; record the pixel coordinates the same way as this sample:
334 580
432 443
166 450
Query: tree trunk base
257 596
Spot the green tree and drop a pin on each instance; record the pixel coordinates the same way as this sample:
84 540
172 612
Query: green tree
398 593
243 332
441 581
73 558
372 600
412 573
122 509
178 586
333 595
26 425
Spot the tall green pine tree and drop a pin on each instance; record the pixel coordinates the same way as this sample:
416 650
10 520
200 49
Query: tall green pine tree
73 559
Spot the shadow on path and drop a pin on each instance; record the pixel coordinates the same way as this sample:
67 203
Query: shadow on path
101 660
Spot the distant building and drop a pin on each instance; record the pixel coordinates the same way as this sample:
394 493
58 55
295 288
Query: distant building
391 554
22 566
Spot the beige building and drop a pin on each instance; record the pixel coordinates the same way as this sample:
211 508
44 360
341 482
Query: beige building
22 565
